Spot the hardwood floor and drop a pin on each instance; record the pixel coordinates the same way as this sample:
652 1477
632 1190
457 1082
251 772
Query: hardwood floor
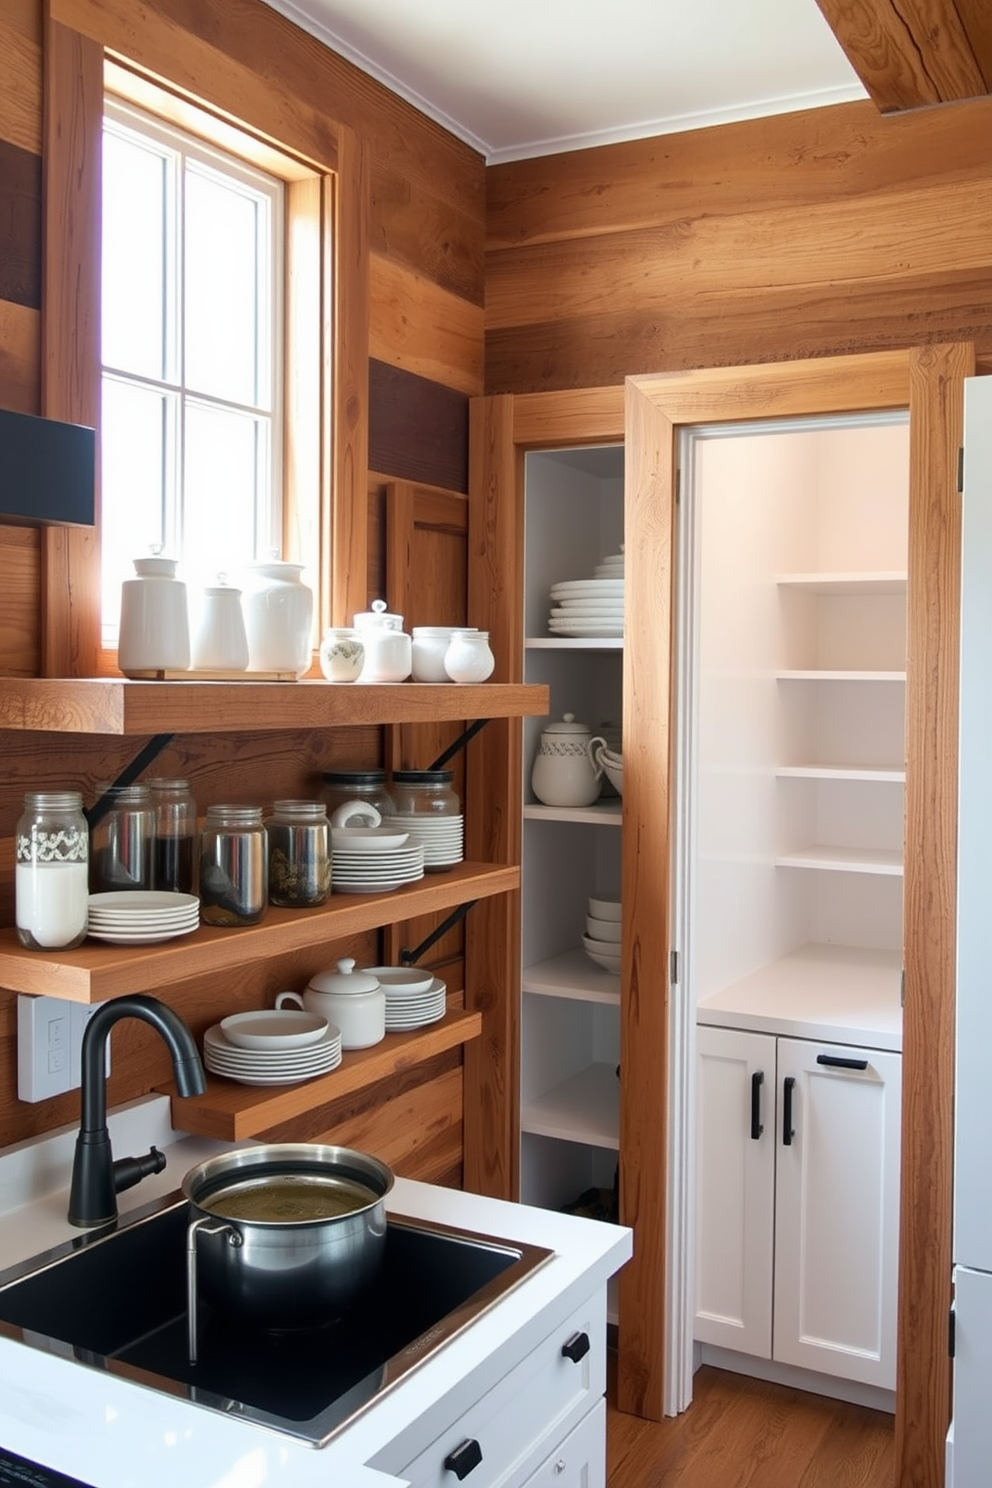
744 1433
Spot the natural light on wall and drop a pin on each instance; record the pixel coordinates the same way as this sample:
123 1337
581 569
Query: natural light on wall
192 352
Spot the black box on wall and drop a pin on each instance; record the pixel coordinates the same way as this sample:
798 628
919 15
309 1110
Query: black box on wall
47 471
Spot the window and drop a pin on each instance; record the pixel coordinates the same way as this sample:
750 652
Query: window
192 352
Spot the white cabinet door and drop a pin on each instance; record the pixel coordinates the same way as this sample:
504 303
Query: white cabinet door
580 1460
837 1207
735 1179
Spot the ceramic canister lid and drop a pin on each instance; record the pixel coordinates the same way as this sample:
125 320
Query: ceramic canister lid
378 617
345 979
567 725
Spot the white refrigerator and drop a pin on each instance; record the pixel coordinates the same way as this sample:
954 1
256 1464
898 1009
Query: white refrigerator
970 1441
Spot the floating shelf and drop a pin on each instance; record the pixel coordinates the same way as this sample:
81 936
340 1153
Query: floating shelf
94 973
233 1112
876 774
600 813
880 582
98 705
584 1108
571 975
812 674
844 860
574 643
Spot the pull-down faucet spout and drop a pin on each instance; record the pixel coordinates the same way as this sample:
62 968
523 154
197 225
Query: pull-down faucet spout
96 1178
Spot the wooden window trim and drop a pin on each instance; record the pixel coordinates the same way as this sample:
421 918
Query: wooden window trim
329 195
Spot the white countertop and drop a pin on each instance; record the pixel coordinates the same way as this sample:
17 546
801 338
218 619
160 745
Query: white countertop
113 1433
832 994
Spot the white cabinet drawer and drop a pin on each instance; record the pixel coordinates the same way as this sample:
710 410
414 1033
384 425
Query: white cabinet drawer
580 1460
538 1402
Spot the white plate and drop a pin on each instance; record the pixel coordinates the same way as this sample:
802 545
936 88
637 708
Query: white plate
377 862
142 922
366 839
404 1025
143 899
590 587
261 1080
273 1028
382 870
586 612
396 994
125 937
387 887
397 980
605 632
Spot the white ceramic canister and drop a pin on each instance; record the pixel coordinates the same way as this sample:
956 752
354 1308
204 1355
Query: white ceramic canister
469 657
388 649
154 626
429 644
278 615
342 654
352 1000
564 773
220 643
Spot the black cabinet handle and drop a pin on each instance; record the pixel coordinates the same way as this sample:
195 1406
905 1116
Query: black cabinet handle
576 1347
757 1080
788 1085
463 1459
837 1061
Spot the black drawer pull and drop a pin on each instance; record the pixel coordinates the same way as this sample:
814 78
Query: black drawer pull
576 1347
788 1132
837 1061
464 1458
757 1080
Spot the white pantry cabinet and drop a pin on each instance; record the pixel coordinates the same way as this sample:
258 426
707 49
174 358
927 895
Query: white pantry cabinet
798 1202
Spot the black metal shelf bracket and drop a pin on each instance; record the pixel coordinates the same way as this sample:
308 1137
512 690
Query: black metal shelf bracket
459 743
128 775
408 958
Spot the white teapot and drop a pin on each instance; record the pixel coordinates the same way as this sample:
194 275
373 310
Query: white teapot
565 773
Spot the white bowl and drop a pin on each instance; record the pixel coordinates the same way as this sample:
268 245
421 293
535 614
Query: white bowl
606 908
603 953
367 839
273 1028
613 773
401 978
606 930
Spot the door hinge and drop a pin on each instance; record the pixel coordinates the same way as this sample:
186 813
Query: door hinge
673 968
960 469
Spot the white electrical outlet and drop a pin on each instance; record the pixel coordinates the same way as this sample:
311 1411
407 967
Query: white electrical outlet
49 1045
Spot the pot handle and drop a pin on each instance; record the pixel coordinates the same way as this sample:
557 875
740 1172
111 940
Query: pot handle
204 1226
594 750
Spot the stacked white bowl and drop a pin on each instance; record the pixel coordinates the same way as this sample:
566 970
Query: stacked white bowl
611 761
601 941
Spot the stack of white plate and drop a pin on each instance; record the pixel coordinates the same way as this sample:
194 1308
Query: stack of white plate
590 607
141 916
272 1048
413 1003
442 837
373 860
601 941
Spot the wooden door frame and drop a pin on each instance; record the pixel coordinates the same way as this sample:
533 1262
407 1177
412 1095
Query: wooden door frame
928 381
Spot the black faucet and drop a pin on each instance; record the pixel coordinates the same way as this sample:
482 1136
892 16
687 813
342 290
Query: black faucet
96 1178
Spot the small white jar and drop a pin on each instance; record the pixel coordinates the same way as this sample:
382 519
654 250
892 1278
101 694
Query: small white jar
219 642
469 657
342 654
430 642
352 1000
388 648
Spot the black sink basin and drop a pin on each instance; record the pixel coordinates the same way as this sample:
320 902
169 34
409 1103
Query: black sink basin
118 1300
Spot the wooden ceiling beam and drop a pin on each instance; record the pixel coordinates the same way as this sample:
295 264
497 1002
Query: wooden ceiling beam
914 53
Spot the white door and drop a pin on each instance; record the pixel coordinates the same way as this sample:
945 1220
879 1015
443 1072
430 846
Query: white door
837 1210
735 1181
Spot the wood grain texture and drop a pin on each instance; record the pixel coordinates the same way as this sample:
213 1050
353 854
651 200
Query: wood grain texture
20 74
20 225
20 600
424 329
417 428
345 381
908 54
414 224
20 358
930 892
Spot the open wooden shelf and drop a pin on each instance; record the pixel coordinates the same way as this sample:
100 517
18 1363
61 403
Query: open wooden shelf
107 705
233 1112
94 973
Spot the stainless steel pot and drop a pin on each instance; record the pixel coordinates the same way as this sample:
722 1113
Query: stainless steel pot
285 1235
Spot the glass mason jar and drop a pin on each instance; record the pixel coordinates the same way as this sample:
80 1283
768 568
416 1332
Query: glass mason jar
299 854
51 873
122 839
425 792
368 786
234 866
175 835
428 809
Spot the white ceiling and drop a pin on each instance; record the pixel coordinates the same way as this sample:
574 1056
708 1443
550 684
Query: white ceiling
515 78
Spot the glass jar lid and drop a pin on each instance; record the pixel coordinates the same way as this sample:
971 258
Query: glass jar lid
423 777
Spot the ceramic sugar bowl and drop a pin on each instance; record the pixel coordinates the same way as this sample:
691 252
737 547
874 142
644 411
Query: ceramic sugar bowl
564 773
352 1000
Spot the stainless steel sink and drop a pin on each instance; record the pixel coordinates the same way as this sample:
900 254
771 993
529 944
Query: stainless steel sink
116 1300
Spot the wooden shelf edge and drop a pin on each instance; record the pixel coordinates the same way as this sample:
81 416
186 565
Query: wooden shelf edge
96 973
232 1112
109 705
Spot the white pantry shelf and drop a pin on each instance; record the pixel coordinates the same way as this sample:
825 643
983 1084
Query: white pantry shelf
571 975
879 582
844 860
584 1108
600 813
877 774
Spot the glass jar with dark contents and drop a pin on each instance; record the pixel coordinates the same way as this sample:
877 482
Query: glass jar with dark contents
175 835
299 854
122 839
234 866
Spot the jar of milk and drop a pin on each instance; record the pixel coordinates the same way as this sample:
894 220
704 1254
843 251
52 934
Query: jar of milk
52 871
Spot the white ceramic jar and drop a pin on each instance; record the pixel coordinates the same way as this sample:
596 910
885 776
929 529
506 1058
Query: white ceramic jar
278 614
388 649
352 1000
429 644
342 654
469 657
219 641
154 626
564 773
